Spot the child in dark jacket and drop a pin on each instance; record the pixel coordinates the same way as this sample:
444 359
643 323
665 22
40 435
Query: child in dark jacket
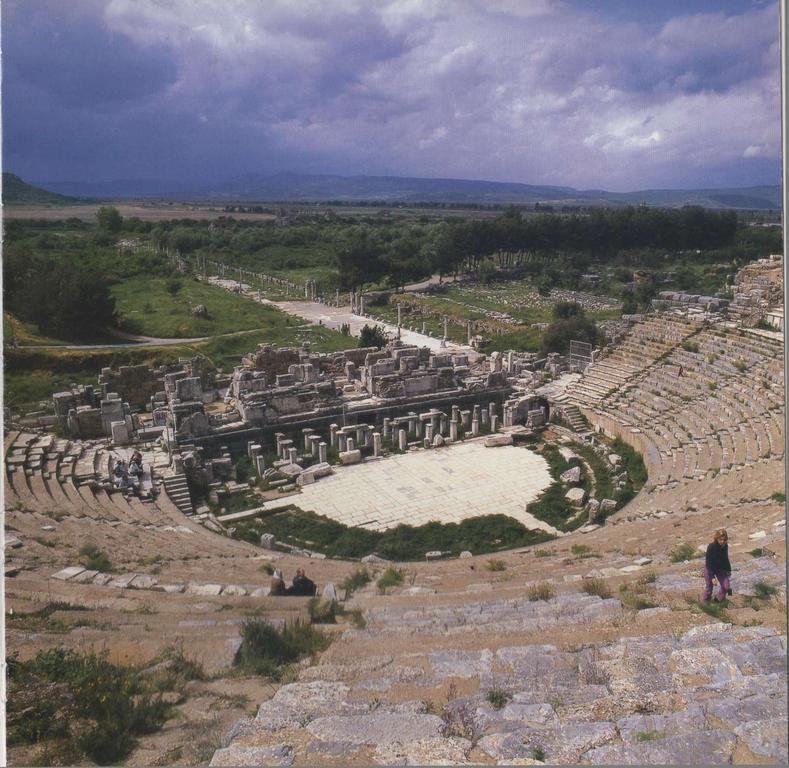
717 565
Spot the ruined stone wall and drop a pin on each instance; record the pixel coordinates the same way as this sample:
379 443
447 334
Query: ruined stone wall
135 384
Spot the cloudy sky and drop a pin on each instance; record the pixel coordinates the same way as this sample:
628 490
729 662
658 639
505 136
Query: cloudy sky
616 94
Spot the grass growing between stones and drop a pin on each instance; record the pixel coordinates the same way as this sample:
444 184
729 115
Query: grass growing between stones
763 590
498 697
268 650
94 559
299 528
391 578
683 552
542 591
712 608
596 587
356 580
75 706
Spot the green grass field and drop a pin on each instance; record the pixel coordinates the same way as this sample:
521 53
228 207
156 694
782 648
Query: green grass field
145 306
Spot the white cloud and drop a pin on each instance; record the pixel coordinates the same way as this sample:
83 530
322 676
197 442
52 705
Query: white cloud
529 91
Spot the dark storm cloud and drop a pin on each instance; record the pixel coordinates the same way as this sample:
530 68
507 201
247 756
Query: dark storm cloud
535 91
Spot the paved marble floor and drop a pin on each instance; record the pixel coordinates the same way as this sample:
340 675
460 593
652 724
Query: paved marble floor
444 484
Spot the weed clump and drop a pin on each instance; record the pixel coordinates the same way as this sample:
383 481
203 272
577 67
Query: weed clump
391 577
496 565
94 559
542 591
498 697
267 650
764 590
356 580
322 611
683 552
596 587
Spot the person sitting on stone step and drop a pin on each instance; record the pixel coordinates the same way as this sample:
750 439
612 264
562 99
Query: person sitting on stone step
302 586
277 588
717 565
120 475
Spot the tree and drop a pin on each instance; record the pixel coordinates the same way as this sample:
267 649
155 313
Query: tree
109 219
373 336
564 310
561 332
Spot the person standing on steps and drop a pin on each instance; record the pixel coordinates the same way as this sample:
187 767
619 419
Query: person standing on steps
717 565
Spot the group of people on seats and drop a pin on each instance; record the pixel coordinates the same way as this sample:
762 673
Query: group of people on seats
302 586
128 477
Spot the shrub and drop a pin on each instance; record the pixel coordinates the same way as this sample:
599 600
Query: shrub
356 580
538 753
496 565
650 577
498 697
779 497
580 549
83 703
542 591
173 285
596 587
542 553
758 552
94 559
267 568
390 578
683 552
244 469
267 650
690 346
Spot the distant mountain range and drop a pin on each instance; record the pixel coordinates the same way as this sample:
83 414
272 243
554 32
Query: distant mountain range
394 190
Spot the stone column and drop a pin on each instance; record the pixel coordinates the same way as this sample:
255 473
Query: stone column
507 416
333 435
469 333
424 328
361 304
492 409
338 297
494 423
315 440
360 430
306 433
475 412
442 424
456 412
292 455
474 427
429 432
444 337
322 452
465 418
376 443
342 442
418 429
399 319
387 427
402 439
485 417
453 430
349 442
260 465
510 361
